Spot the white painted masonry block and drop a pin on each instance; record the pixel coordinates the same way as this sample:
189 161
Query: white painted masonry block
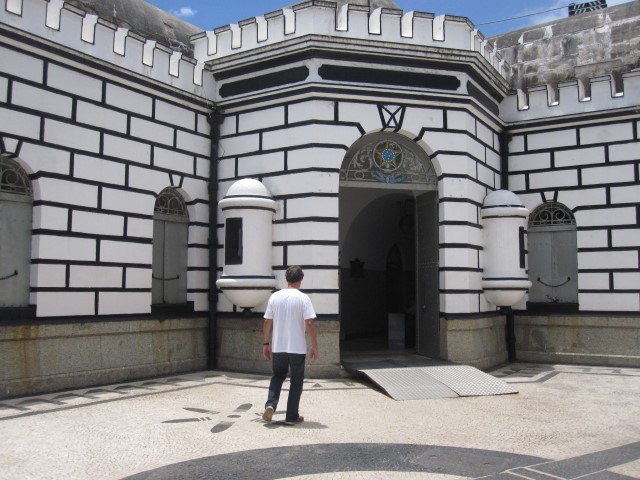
137 277
331 134
517 183
593 239
123 303
198 279
50 218
554 179
199 212
260 119
147 179
4 85
321 279
303 231
608 260
324 303
48 276
203 167
626 280
459 212
630 194
124 201
99 170
74 82
56 304
461 234
127 149
516 144
606 216
547 140
578 198
195 188
228 125
97 223
624 152
606 133
172 160
71 193
125 252
151 131
139 227
226 169
311 110
21 66
621 302
71 136
459 302
484 134
608 175
415 119
594 281
529 161
63 248
365 114
459 257
238 145
316 157
193 143
625 238
18 123
293 183
261 164
129 100
41 100
175 115
581 156
198 234
203 125
198 257
40 158
454 280
457 164
92 276
461 120
312 207
101 117
313 254
493 159
486 176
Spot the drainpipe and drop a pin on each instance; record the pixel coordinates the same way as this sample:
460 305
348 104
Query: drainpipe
215 119
510 328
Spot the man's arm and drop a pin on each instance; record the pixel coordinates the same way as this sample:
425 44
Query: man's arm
266 336
311 328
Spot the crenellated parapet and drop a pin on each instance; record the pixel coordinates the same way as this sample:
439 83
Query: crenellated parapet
577 96
71 27
324 18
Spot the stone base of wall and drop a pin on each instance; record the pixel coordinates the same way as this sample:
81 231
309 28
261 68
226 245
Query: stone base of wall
479 342
239 347
578 339
48 357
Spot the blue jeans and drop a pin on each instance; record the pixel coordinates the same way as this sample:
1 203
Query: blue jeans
281 363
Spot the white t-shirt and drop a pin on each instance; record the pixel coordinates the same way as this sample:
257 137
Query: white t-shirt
289 308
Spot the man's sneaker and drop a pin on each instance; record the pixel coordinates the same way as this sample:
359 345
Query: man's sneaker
268 413
298 420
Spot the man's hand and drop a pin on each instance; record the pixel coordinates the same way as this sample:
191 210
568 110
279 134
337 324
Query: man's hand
266 352
314 353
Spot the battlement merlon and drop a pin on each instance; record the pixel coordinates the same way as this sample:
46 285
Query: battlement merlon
62 23
577 96
317 17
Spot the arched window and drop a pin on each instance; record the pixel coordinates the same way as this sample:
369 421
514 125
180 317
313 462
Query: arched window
553 258
16 201
170 240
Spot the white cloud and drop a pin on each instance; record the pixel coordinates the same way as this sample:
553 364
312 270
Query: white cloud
184 12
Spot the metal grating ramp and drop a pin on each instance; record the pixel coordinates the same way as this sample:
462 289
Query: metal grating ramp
427 382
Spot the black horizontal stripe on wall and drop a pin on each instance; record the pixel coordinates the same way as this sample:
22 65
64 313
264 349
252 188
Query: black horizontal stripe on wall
378 76
263 82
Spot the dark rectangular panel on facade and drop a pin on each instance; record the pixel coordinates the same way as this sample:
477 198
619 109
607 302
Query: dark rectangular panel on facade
262 82
579 8
388 77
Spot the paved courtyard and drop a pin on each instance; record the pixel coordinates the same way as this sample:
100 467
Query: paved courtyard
565 422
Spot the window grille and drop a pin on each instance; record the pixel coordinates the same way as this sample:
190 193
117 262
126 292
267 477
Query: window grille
13 179
551 213
170 202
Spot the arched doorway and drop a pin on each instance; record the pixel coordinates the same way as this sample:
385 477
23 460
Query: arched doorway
389 285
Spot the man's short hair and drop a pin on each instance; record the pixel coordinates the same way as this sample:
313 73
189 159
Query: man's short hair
294 274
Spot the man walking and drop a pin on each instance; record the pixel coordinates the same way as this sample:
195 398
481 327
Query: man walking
288 312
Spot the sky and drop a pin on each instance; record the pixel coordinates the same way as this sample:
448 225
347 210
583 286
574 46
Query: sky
211 14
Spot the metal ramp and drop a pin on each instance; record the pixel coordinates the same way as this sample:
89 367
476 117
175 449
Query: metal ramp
411 379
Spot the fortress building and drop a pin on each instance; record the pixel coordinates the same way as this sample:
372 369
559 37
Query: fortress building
467 199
